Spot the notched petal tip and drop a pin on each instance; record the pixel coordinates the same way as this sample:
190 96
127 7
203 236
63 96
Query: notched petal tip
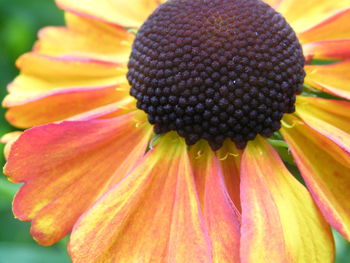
60 162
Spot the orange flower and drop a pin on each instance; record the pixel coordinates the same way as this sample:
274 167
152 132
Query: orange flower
92 166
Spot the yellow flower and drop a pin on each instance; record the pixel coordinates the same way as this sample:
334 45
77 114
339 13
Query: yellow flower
92 167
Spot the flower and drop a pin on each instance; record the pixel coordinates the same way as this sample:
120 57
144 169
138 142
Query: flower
92 167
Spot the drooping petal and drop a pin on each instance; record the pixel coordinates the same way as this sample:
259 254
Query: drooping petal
280 222
325 168
304 15
131 13
335 27
153 215
328 49
59 105
230 161
68 165
9 139
85 38
334 78
328 117
221 216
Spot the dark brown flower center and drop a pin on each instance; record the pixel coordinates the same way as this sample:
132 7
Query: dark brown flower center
216 69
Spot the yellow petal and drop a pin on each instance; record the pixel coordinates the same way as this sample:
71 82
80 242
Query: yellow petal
39 72
280 222
335 27
328 117
153 215
334 78
131 13
303 16
325 168
85 38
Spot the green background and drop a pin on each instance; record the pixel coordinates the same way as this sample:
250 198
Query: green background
20 21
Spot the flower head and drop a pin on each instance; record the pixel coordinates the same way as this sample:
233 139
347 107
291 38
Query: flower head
207 77
216 70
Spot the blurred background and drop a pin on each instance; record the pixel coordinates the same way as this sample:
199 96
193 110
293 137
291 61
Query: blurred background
20 21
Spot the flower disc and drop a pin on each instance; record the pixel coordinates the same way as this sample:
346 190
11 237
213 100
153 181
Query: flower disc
216 69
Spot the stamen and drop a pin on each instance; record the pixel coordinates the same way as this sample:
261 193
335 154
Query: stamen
199 154
290 126
227 155
153 141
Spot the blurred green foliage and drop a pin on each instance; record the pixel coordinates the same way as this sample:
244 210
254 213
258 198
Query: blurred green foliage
20 21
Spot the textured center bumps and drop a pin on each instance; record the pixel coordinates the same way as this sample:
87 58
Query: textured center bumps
216 69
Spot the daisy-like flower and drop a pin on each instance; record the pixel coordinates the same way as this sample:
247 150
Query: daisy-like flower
213 79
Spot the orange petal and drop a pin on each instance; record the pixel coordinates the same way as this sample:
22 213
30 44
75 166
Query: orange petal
108 111
328 49
86 38
325 168
59 105
334 27
310 12
131 13
230 161
328 117
334 78
280 222
221 216
153 215
68 166
9 139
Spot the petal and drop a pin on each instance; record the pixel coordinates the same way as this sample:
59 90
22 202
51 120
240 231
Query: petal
86 38
41 74
9 139
131 13
328 49
280 222
68 165
230 161
328 117
310 12
221 216
335 27
325 168
108 111
273 3
333 78
59 105
153 215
